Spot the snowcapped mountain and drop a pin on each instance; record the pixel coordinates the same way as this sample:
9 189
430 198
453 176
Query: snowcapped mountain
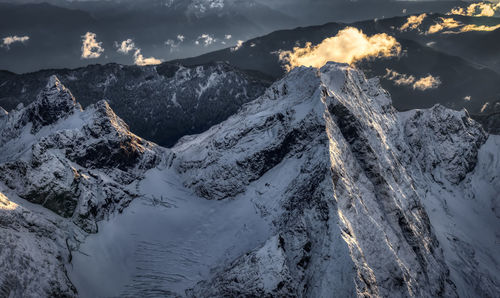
319 186
160 103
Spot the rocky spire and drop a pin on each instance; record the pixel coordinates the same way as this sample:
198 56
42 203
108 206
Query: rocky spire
54 102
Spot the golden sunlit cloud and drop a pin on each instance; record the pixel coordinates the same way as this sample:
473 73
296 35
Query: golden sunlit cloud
422 84
482 9
413 22
7 41
141 61
91 49
479 28
238 46
443 24
348 46
450 23
128 45
428 82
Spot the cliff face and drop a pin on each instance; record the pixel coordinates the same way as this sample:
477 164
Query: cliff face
319 186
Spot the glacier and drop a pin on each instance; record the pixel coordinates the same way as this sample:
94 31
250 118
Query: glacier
318 188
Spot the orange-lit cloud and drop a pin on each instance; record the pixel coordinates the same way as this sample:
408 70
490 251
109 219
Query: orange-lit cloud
422 84
428 82
450 25
140 60
444 24
128 45
481 9
468 28
413 22
91 48
348 46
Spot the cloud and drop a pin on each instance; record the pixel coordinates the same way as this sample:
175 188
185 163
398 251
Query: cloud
398 78
141 61
468 28
481 9
348 46
7 41
450 23
125 46
422 84
228 36
173 44
206 39
91 49
238 46
428 82
128 46
443 24
413 22
467 98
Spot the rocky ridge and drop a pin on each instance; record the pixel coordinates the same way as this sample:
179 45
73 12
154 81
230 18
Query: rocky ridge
360 199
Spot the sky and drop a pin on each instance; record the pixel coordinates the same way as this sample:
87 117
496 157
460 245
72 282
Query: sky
71 34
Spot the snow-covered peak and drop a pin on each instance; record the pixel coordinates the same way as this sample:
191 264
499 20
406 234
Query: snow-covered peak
330 134
54 102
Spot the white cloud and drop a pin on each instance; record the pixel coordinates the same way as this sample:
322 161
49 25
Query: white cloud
413 22
7 41
467 98
228 36
173 44
125 46
422 84
206 39
348 46
238 46
91 49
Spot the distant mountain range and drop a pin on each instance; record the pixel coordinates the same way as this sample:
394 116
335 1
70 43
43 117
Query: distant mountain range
161 103
466 82
56 27
466 63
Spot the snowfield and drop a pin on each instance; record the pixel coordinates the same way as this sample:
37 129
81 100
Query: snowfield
319 186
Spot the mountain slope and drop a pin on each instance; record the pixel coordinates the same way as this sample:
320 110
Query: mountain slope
161 103
317 186
466 77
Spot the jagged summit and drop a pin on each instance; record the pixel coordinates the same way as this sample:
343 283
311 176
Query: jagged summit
53 103
346 160
319 186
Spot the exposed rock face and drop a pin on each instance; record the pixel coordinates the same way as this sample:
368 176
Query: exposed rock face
160 103
360 200
75 163
365 171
